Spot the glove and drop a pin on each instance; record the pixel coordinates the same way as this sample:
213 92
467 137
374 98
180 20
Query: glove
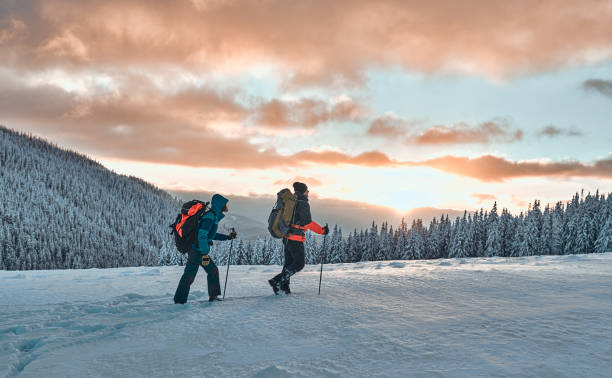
325 230
205 260
232 235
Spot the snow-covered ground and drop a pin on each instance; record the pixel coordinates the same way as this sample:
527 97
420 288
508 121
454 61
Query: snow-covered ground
536 316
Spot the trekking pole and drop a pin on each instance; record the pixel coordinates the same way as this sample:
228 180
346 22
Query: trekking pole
322 260
229 258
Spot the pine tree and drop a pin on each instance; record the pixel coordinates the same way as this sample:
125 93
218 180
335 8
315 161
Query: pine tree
336 247
384 244
493 246
415 247
458 246
558 228
604 240
532 230
546 237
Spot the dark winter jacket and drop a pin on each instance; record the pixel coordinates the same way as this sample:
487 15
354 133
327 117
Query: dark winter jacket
207 228
303 218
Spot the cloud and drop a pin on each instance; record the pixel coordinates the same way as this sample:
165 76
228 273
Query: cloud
320 42
389 126
492 168
554 131
310 181
463 133
393 127
368 159
603 87
519 202
141 124
481 197
306 113
175 129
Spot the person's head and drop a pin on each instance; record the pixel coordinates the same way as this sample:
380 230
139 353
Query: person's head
300 188
218 204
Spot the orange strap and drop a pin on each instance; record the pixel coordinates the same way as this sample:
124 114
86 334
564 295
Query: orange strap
299 238
194 209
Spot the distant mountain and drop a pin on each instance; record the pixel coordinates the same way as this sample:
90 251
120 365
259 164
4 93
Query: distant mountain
426 214
60 209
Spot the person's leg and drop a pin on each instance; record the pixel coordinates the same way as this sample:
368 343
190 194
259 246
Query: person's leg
189 274
214 286
296 250
288 262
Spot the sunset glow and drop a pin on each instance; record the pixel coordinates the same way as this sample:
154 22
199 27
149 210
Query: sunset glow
402 104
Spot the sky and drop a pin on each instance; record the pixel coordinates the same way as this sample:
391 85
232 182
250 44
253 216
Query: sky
396 103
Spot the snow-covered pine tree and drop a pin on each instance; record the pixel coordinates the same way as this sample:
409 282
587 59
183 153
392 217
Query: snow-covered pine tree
479 238
415 247
533 227
559 221
519 242
546 236
570 231
459 238
493 246
604 239
434 240
385 240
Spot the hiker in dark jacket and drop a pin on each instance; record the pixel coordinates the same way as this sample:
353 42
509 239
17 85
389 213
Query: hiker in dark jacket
294 240
198 255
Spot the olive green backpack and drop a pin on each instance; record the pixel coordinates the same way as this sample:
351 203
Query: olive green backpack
281 216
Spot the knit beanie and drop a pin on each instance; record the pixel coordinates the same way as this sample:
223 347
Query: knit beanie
300 187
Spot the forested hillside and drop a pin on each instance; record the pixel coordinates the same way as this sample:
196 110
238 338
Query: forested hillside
59 209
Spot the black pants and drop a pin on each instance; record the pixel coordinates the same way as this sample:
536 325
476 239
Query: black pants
294 261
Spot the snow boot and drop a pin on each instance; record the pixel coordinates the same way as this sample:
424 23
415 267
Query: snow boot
215 298
274 285
285 288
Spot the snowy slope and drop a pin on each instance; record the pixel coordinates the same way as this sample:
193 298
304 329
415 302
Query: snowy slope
532 316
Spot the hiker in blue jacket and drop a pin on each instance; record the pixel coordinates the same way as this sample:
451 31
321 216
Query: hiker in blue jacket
198 255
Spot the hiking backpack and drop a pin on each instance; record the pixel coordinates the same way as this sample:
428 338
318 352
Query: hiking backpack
185 227
281 216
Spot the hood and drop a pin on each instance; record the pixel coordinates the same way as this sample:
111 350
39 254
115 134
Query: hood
217 203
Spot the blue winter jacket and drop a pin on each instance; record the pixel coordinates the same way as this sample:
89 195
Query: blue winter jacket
207 228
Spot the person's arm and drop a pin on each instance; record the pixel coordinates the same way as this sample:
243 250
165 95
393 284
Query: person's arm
219 236
306 220
315 227
204 229
232 235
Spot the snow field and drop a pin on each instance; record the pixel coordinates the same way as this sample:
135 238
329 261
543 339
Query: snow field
532 316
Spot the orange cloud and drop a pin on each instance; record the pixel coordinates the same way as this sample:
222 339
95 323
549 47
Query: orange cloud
482 197
394 128
305 113
389 126
321 42
463 133
310 181
492 168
